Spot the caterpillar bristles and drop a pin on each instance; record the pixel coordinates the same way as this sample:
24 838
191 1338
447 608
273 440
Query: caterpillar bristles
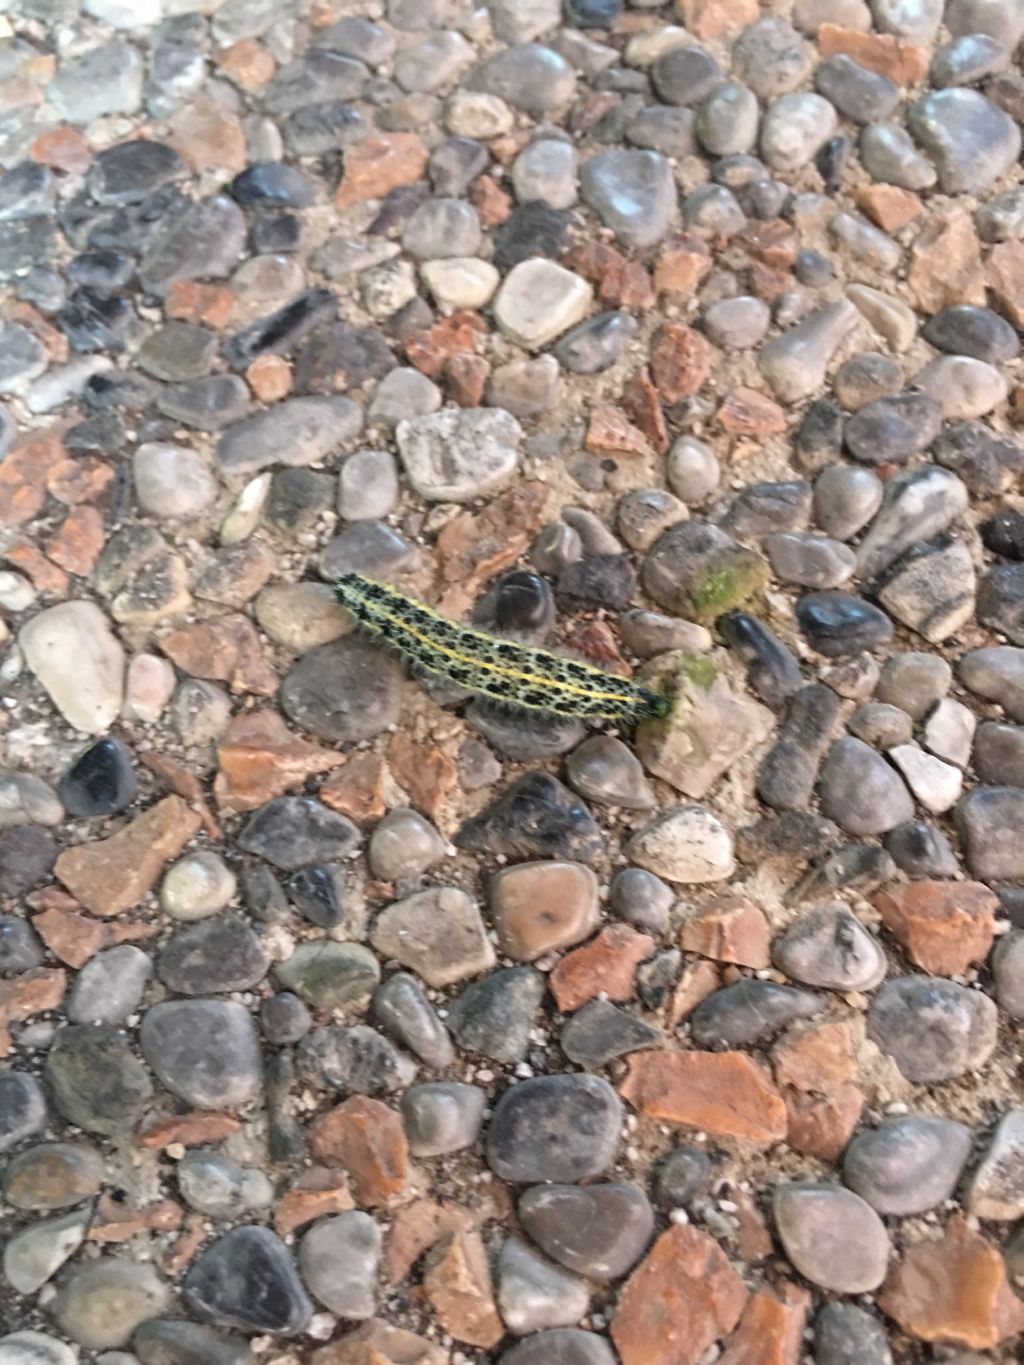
511 674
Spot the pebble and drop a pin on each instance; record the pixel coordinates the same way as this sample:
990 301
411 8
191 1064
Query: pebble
994 1191
749 1012
536 817
214 1184
595 344
401 1008
171 1341
809 560
97 1082
968 330
860 791
600 1032
933 1029
997 674
22 1108
558 1129
204 1051
338 1260
737 324
907 1165
794 129
632 192
100 1305
197 885
284 1018
28 800
525 388
219 953
687 844
36 1348
845 500
832 1237
438 932
962 386
641 899
829 947
89 693
34 1255
685 75
693 470
795 363
839 625
110 986
494 1016
605 770
357 1059
859 94
246 1279
921 850
846 1335
342 691
892 429
298 432
727 121
1008 973
459 454
559 1346
538 301
330 975
987 817
970 139
404 393
533 1294
442 1117
880 725
53 1175
917 505
530 77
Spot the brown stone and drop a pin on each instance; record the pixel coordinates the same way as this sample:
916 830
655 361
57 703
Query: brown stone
235 574
416 1227
943 926
945 263
226 650
467 376
683 263
63 149
768 282
457 1284
902 61
425 771
491 202
183 783
192 301
247 64
45 575
541 906
596 643
748 412
774 243
822 1125
297 1207
457 334
114 1222
209 137
33 992
680 361
74 938
820 1056
682 1298
889 206
259 758
954 1290
376 1342
367 1139
76 481
473 547
604 966
770 1332
641 402
270 378
610 432
51 337
79 542
697 981
180 1254
1004 275
23 474
379 164
357 789
109 876
197 1129
724 1093
730 929
713 18
627 285
753 1240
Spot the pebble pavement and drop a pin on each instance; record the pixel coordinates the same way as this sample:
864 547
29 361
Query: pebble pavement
345 1019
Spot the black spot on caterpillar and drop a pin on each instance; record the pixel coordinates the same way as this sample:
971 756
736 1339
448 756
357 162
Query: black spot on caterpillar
509 673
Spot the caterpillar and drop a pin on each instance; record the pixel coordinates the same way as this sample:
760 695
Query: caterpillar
501 670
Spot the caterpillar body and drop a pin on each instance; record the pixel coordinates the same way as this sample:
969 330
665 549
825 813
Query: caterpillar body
501 670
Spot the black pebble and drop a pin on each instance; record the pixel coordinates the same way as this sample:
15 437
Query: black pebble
1004 534
101 781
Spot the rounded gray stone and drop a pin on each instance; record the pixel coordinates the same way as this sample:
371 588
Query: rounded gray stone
632 192
110 986
831 1236
404 845
908 1164
860 791
971 140
439 933
560 1128
934 1030
100 1305
533 1294
442 1117
22 1108
338 1260
829 947
206 1052
330 975
247 1279
560 1346
343 691
97 1081
599 1231
218 1186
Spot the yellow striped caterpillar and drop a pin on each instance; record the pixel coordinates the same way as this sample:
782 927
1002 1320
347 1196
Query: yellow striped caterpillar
501 670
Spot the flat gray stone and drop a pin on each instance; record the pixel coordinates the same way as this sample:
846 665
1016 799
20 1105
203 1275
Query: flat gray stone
908 1164
632 192
933 1029
460 454
298 432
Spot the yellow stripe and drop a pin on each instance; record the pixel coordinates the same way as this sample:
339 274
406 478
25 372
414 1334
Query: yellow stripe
467 659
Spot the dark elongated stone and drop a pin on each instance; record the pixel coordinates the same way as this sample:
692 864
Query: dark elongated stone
281 331
772 671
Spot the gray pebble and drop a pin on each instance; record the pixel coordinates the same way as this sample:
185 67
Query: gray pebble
989 820
20 946
845 500
605 770
866 377
790 768
1008 973
595 344
727 122
403 1011
749 1012
632 192
794 129
599 1231
530 77
53 1175
685 75
881 725
554 1128
861 792
917 505
338 1259
846 1335
494 1016
995 1189
442 228
967 60
920 850
600 1032
664 128
343 691
284 1018
358 1060
737 324
682 1176
809 560
859 94
404 845
171 1341
971 140
908 1164
560 1346
644 514
100 1305
401 394
998 754
110 986
641 899
891 430
832 1237
457 455
546 169
889 156
22 1108
97 1082
829 947
525 387
330 975
204 1051
933 1029
35 1254
997 674
442 1117
247 1279
533 1294
367 486
795 363
438 932
771 57
297 432
693 470
218 954
218 1186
